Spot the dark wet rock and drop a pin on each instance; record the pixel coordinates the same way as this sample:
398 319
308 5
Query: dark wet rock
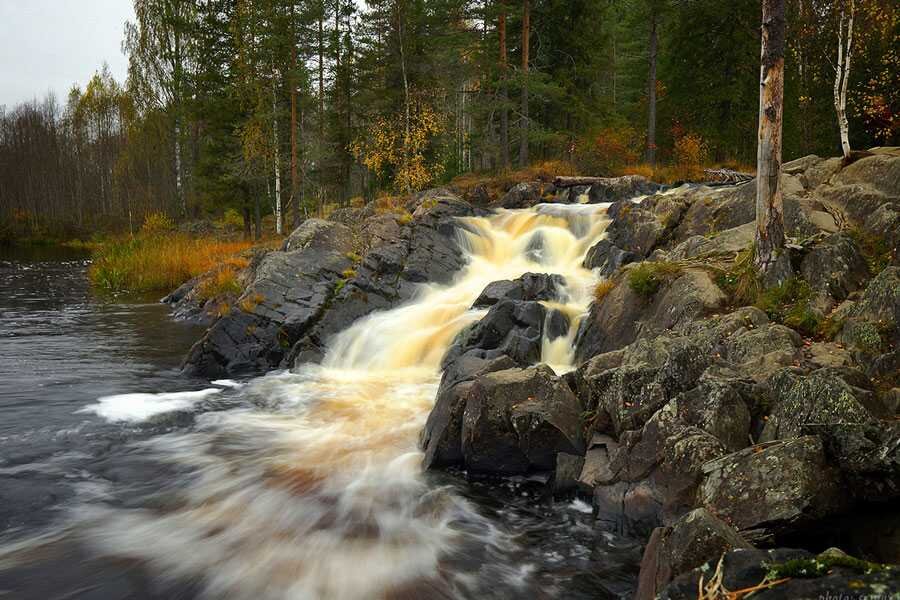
400 256
509 328
608 258
666 456
597 467
287 296
623 315
772 488
746 568
834 269
868 455
821 398
441 438
688 543
567 473
513 421
528 287
522 195
613 189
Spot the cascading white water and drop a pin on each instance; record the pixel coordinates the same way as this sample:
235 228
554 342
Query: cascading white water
313 487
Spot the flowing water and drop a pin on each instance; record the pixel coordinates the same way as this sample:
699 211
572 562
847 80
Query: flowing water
303 484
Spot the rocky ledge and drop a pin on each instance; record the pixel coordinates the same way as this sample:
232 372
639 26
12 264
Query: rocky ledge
738 429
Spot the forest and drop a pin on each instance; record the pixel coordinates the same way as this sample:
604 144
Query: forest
290 108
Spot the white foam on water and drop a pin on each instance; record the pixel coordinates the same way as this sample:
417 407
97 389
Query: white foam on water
313 487
140 407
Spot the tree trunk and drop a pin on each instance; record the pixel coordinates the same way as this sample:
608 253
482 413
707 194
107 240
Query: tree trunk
651 94
179 192
295 179
526 34
257 216
842 76
769 209
279 226
321 75
504 91
245 212
406 125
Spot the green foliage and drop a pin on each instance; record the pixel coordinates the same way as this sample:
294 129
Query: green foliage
874 248
788 303
646 279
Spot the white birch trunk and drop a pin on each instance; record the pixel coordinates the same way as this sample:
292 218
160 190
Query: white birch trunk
842 76
279 227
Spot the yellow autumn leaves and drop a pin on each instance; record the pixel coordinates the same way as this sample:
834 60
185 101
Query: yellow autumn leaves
390 147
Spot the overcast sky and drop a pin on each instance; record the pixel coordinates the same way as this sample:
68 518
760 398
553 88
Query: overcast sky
52 44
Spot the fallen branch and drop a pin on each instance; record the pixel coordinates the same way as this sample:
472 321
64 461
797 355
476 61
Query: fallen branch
727 176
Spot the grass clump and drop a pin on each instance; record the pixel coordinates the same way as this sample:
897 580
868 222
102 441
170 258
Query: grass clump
603 289
788 304
741 281
223 282
875 250
348 273
160 262
646 279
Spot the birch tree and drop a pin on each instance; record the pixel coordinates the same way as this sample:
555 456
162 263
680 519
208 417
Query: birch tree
158 45
842 71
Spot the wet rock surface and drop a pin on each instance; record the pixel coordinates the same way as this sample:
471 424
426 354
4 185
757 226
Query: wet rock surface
506 422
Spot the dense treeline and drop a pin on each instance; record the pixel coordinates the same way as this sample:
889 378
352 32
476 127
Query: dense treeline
283 106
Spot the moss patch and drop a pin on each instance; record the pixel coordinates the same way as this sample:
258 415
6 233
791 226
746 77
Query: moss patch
646 279
821 565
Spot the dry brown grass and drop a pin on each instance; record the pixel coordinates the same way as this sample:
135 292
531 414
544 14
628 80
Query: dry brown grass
162 262
603 289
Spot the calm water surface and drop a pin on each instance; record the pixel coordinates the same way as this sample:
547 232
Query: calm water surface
90 389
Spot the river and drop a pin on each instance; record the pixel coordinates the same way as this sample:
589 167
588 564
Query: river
122 478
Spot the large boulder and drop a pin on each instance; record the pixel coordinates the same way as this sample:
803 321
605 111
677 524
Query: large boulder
509 328
824 397
872 324
400 256
607 258
613 189
529 287
772 488
290 291
623 314
868 455
688 543
665 458
522 195
834 269
513 421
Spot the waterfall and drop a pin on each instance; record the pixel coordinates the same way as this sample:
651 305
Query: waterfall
311 487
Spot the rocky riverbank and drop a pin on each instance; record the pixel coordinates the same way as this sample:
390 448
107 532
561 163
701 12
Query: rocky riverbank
711 416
